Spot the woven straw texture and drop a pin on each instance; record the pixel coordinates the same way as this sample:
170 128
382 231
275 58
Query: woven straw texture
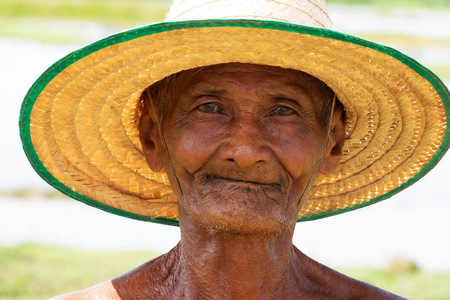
79 120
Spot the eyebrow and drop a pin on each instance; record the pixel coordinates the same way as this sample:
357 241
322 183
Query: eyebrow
206 90
292 91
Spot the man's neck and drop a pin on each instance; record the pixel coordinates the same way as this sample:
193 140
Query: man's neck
210 264
241 266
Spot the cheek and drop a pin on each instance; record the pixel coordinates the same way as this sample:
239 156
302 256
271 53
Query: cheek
195 144
299 150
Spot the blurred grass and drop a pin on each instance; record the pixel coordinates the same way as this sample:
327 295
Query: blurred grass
410 284
38 272
50 20
111 12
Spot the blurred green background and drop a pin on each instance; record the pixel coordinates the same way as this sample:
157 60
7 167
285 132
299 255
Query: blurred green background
45 20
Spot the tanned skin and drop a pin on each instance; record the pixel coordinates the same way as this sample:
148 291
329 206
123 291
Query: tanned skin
245 144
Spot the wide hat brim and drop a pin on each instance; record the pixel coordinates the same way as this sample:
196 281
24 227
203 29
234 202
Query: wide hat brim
79 120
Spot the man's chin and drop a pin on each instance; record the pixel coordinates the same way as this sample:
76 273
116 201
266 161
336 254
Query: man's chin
239 207
242 223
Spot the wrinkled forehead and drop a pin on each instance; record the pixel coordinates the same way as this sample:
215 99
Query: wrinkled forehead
165 93
276 75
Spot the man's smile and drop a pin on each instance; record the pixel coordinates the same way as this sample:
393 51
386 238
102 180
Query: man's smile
241 179
243 188
248 184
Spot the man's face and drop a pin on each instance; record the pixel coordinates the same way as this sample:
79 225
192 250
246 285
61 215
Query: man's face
244 143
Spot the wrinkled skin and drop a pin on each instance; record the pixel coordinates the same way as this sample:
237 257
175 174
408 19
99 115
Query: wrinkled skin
245 144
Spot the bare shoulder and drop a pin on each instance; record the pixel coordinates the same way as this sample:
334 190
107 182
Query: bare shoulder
363 290
331 284
156 279
100 291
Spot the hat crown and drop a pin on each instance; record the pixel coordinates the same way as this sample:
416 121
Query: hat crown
302 12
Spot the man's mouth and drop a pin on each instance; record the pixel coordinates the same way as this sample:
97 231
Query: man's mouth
248 184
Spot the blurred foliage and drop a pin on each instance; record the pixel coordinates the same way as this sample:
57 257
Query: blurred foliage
402 266
112 12
40 272
408 282
49 20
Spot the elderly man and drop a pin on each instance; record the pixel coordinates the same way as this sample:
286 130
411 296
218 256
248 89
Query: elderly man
255 124
243 142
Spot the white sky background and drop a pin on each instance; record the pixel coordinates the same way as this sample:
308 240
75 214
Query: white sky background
413 225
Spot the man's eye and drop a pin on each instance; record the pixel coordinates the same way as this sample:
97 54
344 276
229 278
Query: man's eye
283 111
209 107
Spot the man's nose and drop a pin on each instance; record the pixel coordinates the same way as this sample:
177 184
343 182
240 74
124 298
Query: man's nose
245 145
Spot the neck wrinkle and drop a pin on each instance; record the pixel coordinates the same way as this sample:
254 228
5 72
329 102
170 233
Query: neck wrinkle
239 266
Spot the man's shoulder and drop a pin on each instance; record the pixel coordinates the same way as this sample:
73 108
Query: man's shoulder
104 290
334 285
363 290
341 286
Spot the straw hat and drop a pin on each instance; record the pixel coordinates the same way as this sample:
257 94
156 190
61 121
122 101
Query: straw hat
79 120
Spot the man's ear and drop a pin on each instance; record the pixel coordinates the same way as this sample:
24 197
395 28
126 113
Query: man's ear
149 136
336 143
